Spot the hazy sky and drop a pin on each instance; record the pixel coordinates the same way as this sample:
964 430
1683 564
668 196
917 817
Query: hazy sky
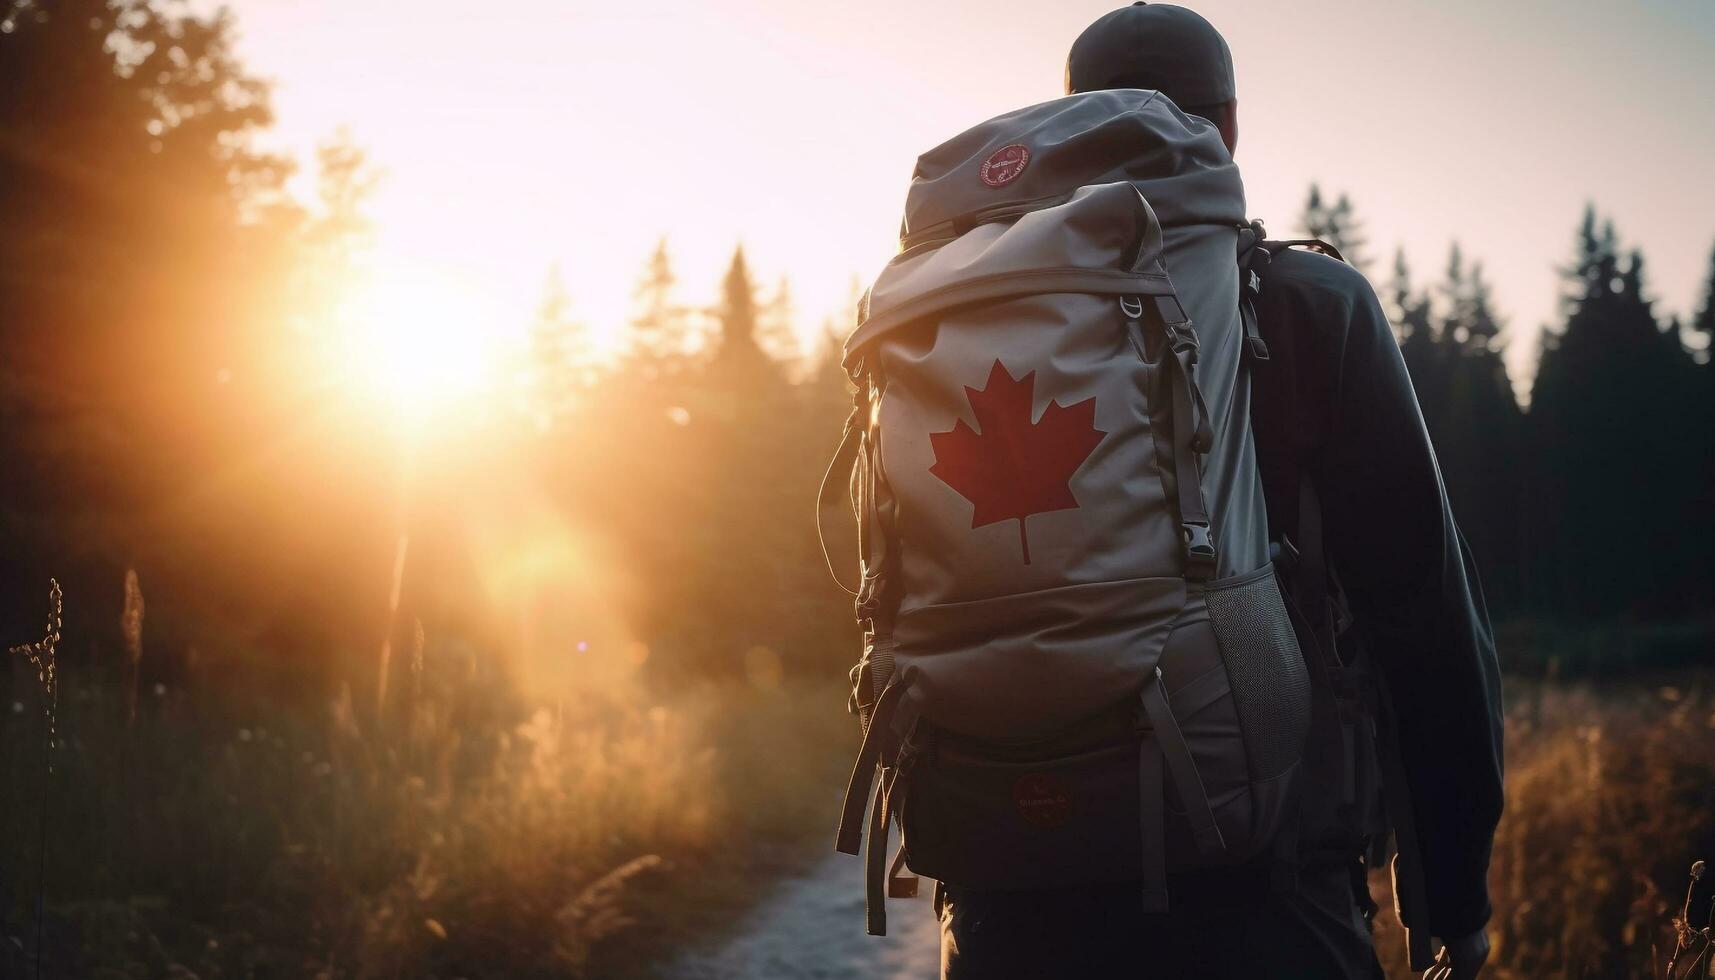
517 135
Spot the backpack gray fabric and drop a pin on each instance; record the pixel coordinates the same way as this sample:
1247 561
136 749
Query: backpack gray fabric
1077 664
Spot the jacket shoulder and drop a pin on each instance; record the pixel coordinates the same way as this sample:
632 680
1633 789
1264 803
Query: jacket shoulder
1324 295
1317 277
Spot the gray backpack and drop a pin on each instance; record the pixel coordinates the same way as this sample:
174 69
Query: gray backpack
1077 667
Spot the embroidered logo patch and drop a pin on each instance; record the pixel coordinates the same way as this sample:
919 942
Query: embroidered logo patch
1005 164
1042 800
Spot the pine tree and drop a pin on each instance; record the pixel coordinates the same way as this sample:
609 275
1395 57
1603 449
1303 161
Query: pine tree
1482 327
1410 312
1337 225
658 325
1616 476
737 314
1424 360
1474 422
1454 291
560 367
1703 324
777 332
1471 324
1701 523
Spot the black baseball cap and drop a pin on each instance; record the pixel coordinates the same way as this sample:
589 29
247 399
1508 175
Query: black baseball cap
1155 46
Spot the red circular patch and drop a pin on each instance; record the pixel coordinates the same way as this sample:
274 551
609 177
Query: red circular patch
1005 164
1042 799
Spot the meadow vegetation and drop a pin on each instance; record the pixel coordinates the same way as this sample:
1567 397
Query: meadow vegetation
468 832
1609 800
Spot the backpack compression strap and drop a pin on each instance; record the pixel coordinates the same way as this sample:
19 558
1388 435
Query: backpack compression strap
1192 434
1166 743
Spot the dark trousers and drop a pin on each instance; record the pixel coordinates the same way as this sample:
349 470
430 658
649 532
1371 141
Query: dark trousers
1221 924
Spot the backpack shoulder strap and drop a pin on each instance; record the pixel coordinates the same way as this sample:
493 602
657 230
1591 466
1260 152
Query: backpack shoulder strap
1308 244
1255 251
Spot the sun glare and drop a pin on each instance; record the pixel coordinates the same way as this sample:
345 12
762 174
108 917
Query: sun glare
415 345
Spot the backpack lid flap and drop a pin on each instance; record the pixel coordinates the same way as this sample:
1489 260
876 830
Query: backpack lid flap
1177 161
1104 239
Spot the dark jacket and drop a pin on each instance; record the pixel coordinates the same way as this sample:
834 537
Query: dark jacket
1335 400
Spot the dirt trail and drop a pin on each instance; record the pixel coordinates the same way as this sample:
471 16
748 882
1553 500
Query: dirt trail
812 929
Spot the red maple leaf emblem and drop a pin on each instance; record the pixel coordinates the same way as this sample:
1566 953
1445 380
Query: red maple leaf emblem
1015 467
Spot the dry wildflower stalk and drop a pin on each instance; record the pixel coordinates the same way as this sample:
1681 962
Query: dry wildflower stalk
131 626
41 655
595 913
1686 935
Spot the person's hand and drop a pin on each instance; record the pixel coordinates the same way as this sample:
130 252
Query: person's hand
1460 959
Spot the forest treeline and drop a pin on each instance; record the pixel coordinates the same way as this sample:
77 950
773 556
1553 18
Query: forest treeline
160 412
1593 501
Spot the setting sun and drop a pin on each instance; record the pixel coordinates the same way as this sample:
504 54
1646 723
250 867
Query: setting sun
413 345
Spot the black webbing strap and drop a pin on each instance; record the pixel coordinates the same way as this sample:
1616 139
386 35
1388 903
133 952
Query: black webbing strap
1250 287
875 859
1152 824
1309 244
1195 695
864 770
1192 437
1182 767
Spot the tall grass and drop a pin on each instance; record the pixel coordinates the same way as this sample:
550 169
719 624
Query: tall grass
468 832
1610 796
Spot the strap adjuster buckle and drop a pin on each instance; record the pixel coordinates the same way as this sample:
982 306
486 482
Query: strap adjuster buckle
1199 551
1183 340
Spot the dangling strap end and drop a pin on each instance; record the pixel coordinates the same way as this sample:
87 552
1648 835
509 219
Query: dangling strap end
863 776
875 863
901 883
1152 824
1155 901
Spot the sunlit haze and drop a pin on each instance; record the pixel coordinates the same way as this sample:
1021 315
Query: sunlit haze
515 136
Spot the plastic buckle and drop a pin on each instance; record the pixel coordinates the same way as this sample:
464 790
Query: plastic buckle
868 599
1199 551
1258 349
1182 339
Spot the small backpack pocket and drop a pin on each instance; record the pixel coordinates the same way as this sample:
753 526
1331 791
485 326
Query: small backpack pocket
1241 693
